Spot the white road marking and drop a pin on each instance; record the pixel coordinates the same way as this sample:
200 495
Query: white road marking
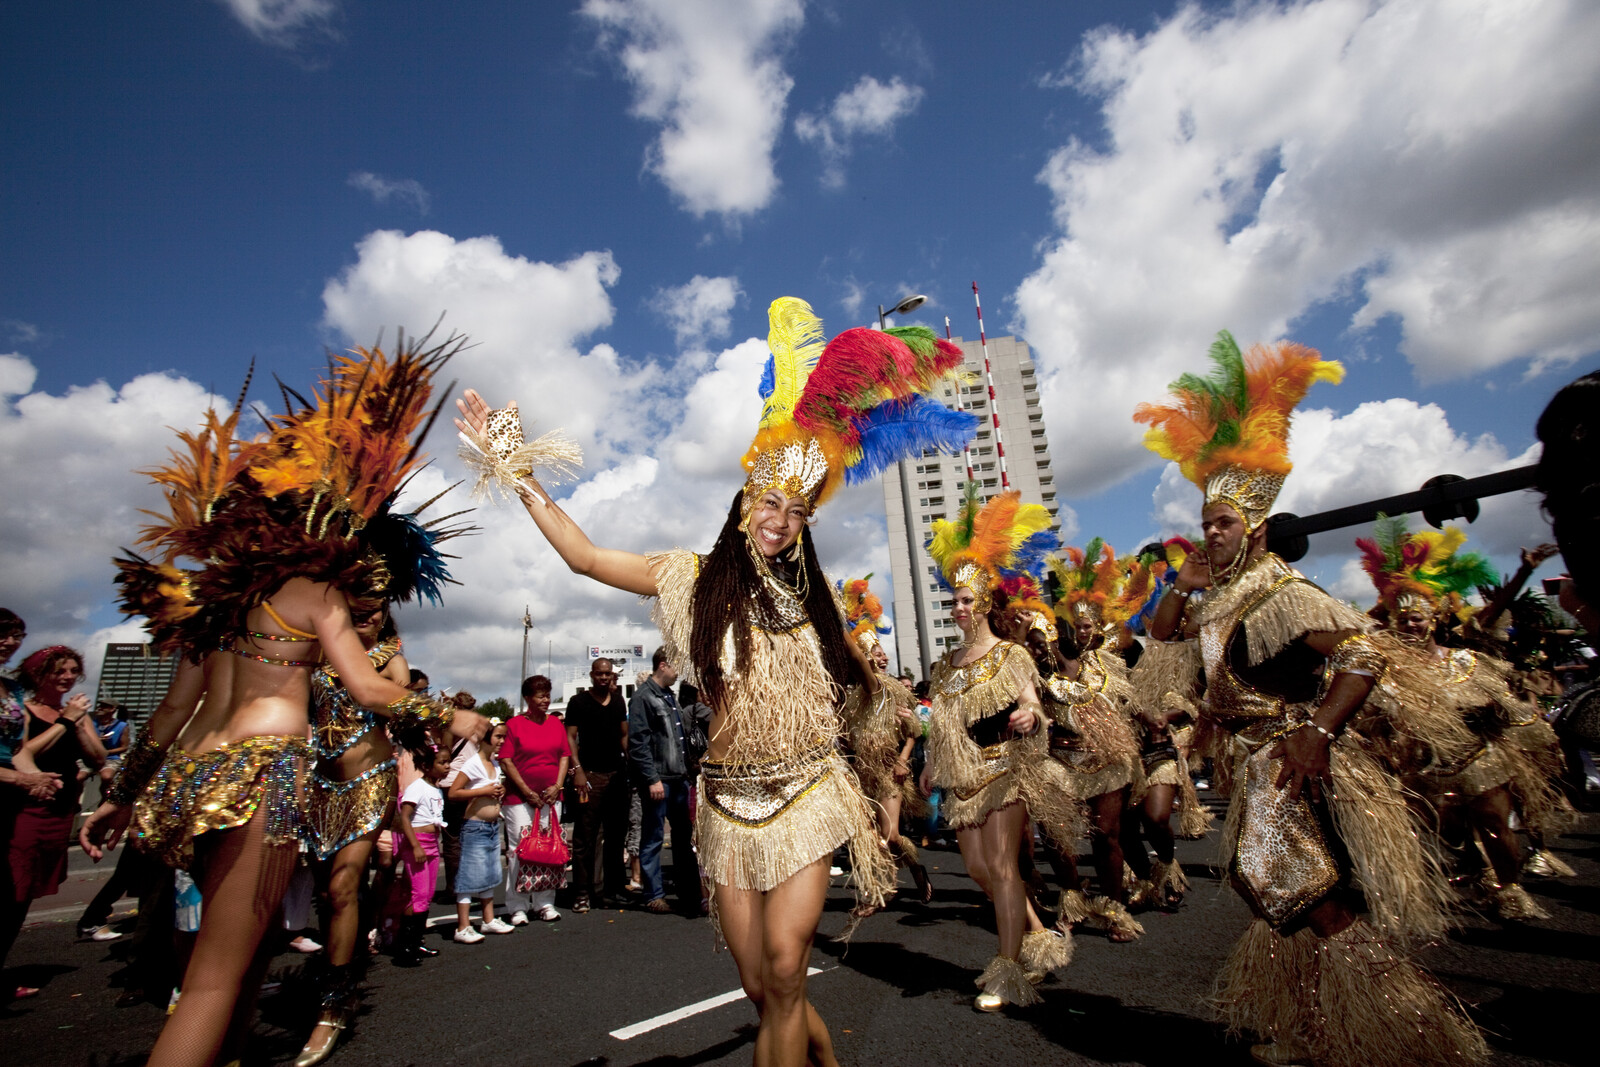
629 1032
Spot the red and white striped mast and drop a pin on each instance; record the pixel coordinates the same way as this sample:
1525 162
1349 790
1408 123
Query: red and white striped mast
994 411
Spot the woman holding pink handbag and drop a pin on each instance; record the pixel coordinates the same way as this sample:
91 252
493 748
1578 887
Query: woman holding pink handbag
535 757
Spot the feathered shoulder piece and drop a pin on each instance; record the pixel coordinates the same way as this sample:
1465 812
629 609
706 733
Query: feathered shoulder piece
845 410
1422 568
1229 433
988 543
1096 583
862 610
312 497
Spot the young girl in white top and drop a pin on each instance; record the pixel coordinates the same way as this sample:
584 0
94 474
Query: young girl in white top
479 782
421 819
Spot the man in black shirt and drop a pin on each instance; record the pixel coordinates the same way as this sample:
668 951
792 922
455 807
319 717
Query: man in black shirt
597 730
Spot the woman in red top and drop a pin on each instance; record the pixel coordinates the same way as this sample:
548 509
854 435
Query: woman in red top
535 757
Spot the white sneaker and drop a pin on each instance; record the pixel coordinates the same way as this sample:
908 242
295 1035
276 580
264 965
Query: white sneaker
305 945
519 919
469 936
549 914
496 925
98 933
834 872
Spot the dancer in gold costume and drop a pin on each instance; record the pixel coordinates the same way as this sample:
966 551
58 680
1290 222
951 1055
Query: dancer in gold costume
754 627
1319 839
350 799
881 730
286 531
1165 712
1460 738
987 736
1091 734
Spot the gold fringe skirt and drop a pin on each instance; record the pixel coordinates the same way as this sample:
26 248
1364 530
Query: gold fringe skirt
338 813
1020 769
219 790
1351 1000
758 824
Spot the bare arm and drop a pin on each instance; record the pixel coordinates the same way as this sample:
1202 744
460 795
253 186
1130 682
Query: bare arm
409 832
71 717
627 571
1193 575
104 828
580 778
1531 558
1305 751
1029 715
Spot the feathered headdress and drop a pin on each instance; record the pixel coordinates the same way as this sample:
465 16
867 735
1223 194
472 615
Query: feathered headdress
1425 569
846 410
1229 433
313 497
1163 561
863 610
1095 583
989 543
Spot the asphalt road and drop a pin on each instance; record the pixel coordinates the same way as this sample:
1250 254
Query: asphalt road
620 988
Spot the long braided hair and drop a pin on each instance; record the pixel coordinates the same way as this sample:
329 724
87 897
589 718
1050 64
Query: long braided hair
730 593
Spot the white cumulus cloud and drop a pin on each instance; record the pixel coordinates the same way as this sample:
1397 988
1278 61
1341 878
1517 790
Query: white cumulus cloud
868 108
710 74
74 495
1433 161
700 310
382 190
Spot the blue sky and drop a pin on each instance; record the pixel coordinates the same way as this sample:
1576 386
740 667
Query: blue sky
606 195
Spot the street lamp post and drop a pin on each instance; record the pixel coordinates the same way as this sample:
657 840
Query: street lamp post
527 624
909 304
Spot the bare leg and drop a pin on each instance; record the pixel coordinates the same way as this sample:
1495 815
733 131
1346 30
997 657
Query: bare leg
769 935
1490 814
1105 840
1001 834
242 880
349 865
1157 820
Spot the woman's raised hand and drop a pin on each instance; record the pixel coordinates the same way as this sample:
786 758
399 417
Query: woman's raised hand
474 410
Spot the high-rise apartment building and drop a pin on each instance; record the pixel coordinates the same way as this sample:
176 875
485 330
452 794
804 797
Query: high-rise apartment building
917 491
137 677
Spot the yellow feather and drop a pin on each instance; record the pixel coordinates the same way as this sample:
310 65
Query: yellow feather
795 337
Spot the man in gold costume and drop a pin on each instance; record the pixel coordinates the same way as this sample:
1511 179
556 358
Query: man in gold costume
1320 842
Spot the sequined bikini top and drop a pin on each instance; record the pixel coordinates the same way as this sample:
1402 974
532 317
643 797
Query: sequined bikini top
338 722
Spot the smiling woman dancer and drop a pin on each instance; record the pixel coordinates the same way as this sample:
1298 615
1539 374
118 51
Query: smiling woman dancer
754 626
987 739
288 530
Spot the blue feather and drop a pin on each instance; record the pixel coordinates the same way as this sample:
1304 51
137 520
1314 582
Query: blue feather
897 429
1032 552
769 378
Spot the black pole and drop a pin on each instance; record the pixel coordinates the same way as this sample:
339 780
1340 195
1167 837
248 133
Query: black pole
1287 533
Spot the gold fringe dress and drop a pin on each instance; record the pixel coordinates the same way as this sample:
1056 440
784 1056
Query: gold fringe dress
782 796
1456 731
1091 734
339 812
1352 998
1166 677
981 778
875 733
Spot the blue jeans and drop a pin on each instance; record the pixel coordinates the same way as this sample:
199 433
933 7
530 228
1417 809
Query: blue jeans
674 807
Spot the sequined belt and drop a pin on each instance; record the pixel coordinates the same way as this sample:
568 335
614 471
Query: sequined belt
996 765
755 794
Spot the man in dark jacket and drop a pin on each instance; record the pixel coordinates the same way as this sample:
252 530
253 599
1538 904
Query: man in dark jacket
660 771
